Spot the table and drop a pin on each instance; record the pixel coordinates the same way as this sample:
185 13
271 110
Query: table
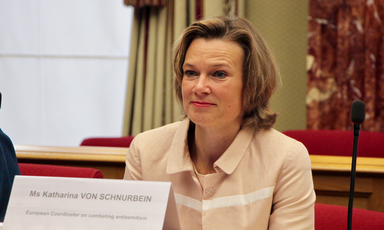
331 174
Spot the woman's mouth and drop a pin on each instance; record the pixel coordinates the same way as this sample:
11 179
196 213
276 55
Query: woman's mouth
201 104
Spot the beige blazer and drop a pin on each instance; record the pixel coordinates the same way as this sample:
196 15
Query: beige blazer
262 181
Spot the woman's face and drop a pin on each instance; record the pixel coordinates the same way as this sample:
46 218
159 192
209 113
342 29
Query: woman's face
212 83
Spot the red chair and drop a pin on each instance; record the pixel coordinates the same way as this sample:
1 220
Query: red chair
333 217
108 141
27 169
339 142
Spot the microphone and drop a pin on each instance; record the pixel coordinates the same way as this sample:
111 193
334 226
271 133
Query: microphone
357 118
358 112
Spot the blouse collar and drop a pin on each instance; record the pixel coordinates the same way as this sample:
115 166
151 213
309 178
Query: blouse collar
179 159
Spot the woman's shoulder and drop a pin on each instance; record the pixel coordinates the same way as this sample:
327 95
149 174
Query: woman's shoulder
273 134
281 151
272 139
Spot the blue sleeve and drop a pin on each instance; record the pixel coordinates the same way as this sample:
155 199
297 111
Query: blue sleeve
9 167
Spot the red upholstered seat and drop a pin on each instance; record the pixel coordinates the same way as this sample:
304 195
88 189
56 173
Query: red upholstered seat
58 171
108 141
339 142
332 217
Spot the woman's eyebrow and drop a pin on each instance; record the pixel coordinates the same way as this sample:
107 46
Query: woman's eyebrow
186 64
222 65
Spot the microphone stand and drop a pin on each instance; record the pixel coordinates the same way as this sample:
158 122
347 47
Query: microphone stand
356 131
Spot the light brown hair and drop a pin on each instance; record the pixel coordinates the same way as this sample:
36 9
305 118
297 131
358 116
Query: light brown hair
260 75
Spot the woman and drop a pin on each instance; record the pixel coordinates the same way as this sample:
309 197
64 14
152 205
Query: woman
228 167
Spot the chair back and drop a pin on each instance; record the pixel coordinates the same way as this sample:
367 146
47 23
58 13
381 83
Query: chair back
333 217
28 169
339 142
108 141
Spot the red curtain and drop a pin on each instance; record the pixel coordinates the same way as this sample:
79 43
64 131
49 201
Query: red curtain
345 63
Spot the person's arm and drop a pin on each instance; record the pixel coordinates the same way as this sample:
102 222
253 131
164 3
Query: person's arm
133 162
294 196
9 167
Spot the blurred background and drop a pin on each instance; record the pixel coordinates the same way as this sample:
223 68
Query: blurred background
93 68
63 69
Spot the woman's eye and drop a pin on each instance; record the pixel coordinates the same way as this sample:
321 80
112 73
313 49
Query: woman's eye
220 74
190 73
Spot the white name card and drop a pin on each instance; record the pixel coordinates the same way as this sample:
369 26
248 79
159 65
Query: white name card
73 203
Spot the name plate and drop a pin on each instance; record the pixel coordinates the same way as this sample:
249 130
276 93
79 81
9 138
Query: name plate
76 203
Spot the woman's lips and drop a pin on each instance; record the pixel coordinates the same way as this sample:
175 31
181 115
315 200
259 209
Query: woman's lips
201 104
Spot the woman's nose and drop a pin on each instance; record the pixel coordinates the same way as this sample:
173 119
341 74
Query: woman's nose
202 85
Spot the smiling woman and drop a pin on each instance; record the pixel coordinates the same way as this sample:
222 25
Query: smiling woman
212 84
229 168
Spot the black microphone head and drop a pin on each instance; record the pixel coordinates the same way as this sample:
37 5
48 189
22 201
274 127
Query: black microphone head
358 112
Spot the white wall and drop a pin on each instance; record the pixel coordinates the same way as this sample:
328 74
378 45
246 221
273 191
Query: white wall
63 69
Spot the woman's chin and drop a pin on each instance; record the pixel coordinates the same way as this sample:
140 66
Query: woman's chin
202 121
